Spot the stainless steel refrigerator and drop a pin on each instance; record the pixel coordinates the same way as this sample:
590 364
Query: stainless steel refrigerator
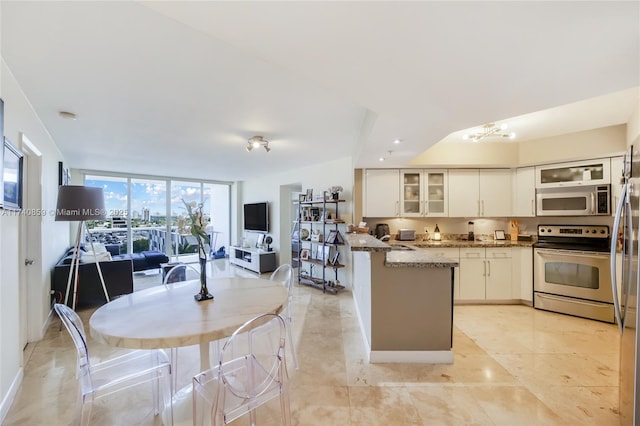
626 286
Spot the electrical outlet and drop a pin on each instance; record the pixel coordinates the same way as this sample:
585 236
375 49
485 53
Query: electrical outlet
426 229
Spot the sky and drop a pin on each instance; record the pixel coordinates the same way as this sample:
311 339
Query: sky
146 193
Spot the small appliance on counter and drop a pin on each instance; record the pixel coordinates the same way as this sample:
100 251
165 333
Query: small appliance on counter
470 236
406 234
382 229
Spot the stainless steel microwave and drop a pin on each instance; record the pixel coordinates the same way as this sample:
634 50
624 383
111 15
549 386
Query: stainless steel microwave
574 201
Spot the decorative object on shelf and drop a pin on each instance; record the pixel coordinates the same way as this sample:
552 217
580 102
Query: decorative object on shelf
335 192
490 130
316 236
268 240
304 234
436 234
199 231
79 204
304 254
309 195
257 142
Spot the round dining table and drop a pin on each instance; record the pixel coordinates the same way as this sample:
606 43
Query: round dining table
170 317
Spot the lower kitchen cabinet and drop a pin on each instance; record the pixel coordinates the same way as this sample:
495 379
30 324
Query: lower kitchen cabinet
522 273
485 274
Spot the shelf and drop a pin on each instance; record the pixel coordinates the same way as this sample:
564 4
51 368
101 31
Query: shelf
321 263
319 284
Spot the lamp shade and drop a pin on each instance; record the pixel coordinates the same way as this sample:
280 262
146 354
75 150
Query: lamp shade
76 203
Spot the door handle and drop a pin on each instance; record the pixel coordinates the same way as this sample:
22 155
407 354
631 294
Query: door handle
28 262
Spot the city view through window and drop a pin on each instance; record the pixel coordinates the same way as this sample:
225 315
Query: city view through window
149 214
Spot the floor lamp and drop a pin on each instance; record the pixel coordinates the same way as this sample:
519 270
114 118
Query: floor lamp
78 204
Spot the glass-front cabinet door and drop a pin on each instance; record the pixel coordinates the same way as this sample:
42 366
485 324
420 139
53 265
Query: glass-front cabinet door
411 193
423 193
435 192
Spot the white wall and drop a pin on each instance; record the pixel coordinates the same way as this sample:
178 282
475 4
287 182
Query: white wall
633 125
20 118
318 177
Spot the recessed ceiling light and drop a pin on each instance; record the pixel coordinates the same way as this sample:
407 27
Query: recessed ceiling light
397 141
67 115
381 159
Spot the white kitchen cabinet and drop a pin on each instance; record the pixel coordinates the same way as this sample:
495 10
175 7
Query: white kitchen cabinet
479 193
587 172
423 193
617 164
485 274
524 192
449 253
382 193
522 273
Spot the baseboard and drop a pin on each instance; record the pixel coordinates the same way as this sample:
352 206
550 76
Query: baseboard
11 394
425 357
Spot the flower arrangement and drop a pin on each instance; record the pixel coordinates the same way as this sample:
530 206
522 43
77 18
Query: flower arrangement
198 229
335 189
198 226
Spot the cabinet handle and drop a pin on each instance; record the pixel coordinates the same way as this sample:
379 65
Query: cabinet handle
489 264
484 264
533 207
479 214
482 213
397 208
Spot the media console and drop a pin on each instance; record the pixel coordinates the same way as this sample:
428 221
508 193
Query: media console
253 259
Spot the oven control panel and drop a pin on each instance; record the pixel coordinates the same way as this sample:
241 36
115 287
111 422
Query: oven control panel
573 231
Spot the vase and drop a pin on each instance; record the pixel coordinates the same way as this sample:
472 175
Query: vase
334 195
204 291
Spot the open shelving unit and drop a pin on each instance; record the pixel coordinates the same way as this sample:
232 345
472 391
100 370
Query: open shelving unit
319 264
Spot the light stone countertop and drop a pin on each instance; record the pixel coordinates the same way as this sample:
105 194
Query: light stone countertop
420 258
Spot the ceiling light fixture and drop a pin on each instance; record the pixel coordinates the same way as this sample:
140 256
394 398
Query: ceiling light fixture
397 141
257 142
490 130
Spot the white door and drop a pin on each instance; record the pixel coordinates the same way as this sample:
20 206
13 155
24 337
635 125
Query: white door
31 276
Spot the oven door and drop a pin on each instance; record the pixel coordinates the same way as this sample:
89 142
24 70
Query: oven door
573 273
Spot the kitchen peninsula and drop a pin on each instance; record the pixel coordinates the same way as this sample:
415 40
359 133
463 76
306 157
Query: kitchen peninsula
404 302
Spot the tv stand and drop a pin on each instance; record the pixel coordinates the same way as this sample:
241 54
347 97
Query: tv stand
255 260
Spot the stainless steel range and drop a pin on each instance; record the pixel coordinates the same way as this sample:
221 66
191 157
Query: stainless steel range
572 271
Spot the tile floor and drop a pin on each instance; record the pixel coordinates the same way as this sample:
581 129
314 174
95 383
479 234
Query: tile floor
513 366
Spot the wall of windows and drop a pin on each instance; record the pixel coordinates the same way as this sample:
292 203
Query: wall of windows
147 213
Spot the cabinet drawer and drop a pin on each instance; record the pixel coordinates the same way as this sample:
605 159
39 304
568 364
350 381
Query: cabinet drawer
471 253
451 253
498 253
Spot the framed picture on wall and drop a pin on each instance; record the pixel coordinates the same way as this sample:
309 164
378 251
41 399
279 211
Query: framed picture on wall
11 176
64 177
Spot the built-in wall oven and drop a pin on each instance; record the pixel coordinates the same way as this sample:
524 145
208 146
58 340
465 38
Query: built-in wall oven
572 272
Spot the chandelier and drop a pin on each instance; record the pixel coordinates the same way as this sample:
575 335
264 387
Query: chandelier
490 130
257 142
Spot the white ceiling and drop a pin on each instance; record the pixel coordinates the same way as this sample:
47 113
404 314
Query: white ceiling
177 88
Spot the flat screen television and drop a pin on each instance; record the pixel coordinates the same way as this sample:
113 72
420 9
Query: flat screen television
256 217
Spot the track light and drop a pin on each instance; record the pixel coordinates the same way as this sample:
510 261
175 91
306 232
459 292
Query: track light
257 142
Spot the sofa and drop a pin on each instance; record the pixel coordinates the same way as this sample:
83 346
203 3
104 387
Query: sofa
150 259
117 274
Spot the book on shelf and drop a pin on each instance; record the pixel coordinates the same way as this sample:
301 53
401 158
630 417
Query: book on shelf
335 237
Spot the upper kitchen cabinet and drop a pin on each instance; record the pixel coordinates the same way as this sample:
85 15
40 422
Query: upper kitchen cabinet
381 193
480 193
588 172
524 192
423 193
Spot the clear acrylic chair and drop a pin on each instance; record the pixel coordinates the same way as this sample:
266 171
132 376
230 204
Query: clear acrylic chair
251 372
181 272
116 374
284 275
